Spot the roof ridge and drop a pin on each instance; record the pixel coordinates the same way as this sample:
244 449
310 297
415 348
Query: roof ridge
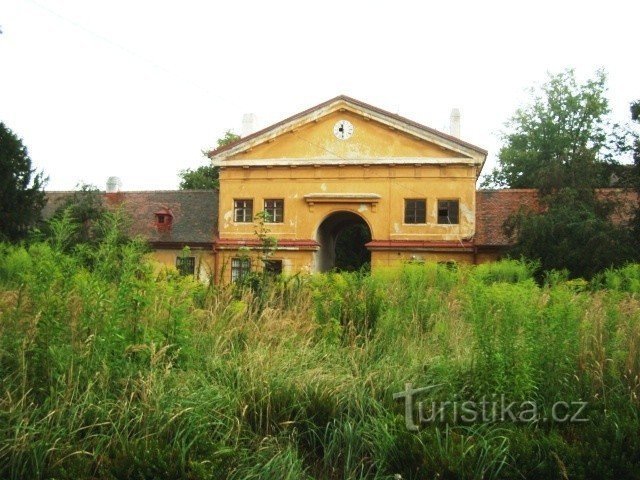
357 103
197 190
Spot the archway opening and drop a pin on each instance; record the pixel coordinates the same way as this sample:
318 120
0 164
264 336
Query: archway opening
342 237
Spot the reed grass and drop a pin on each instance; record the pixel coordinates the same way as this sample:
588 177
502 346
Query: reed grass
112 368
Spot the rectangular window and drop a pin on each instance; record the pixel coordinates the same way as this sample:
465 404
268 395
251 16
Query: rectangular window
186 265
448 212
415 210
273 267
274 208
243 211
240 268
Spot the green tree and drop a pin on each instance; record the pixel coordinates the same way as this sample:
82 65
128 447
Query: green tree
85 209
561 139
635 116
21 188
563 145
571 234
206 176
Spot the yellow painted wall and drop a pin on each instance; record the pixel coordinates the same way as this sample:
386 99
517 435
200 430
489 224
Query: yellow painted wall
292 262
370 139
389 258
204 260
394 184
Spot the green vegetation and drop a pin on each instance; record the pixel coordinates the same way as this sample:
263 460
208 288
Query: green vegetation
205 177
111 369
563 144
21 188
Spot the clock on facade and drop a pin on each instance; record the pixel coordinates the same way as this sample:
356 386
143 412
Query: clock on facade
343 129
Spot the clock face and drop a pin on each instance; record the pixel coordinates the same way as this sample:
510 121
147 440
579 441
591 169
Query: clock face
343 129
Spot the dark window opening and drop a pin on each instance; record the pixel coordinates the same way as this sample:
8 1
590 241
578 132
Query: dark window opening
186 265
274 208
448 212
273 267
415 211
240 268
243 211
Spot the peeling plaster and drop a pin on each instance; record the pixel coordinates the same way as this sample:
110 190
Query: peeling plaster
323 187
467 213
363 207
396 228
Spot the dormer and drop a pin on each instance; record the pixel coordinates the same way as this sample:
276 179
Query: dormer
164 219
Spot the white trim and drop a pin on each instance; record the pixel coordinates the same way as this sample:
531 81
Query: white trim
369 114
344 197
321 162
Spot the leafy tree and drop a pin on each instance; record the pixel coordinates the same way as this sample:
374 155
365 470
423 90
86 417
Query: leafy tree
571 234
563 145
635 116
21 188
561 139
85 209
206 176
202 178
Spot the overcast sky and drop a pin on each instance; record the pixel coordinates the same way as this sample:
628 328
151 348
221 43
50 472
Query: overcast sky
136 89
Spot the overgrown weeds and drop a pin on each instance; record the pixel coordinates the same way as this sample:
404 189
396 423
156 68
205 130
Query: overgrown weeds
113 369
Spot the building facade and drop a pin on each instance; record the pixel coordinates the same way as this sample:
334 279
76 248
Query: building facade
343 173
342 163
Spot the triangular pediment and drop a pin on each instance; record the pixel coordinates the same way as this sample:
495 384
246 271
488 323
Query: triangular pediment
377 136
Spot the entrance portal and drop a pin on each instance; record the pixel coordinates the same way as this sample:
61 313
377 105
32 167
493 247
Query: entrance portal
342 237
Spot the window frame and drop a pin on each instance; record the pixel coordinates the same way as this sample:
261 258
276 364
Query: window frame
448 201
240 271
271 261
181 269
424 213
274 218
244 208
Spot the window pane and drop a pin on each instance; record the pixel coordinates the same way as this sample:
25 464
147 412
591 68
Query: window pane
448 212
275 210
186 265
243 211
415 211
240 267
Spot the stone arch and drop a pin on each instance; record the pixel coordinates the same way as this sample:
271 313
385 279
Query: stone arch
347 231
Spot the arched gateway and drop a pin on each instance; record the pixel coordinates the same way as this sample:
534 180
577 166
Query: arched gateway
342 237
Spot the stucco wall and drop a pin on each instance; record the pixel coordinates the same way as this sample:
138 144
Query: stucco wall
393 184
204 260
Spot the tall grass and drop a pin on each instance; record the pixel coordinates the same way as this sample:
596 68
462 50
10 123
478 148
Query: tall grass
112 368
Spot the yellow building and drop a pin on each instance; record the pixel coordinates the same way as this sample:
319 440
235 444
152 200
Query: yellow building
338 185
404 191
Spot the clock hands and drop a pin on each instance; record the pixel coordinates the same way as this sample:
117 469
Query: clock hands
343 129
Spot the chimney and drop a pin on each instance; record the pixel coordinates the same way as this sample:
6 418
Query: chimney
248 124
113 184
454 123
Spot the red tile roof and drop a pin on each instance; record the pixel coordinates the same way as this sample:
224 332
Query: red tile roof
493 208
194 222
